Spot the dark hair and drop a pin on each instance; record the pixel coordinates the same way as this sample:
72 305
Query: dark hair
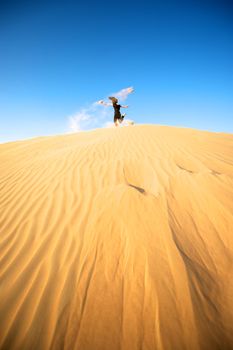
113 99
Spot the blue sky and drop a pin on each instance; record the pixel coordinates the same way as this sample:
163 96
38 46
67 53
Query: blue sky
57 58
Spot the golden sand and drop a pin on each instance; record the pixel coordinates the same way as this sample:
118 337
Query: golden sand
117 238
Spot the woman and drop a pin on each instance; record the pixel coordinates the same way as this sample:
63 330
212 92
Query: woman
118 118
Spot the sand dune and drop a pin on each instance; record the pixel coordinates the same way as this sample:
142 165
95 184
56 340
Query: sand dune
117 239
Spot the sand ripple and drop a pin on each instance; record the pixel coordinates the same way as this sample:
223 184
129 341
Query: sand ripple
117 239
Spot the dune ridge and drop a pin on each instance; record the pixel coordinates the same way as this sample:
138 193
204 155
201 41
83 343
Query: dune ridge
117 239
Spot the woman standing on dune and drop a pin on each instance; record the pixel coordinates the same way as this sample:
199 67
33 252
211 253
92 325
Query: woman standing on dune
118 118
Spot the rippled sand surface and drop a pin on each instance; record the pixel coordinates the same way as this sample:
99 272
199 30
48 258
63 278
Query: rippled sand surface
117 238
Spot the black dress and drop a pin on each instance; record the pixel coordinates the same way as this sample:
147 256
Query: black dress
117 113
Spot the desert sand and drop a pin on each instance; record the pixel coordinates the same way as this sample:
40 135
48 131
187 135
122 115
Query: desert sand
118 238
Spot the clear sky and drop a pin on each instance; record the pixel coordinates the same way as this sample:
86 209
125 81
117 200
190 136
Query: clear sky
58 57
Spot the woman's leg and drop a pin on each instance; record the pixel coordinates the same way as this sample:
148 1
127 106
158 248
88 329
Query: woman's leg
115 121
